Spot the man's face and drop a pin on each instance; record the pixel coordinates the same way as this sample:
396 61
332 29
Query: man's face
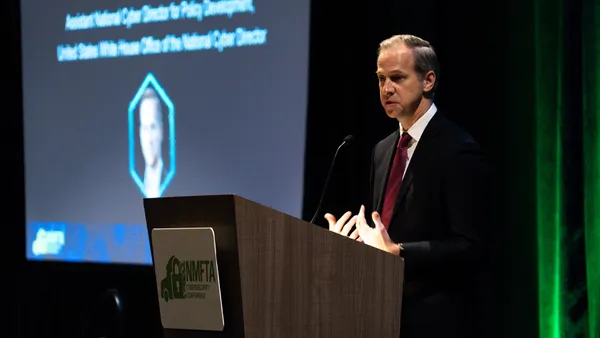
150 131
400 87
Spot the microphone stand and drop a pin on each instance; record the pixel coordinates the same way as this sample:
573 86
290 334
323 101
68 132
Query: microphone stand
347 139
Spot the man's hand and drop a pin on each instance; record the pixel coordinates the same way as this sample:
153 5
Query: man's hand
341 227
377 236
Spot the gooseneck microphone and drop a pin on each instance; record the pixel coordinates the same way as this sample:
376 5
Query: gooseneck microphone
347 140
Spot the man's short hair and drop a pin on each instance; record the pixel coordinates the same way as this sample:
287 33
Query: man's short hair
424 54
150 94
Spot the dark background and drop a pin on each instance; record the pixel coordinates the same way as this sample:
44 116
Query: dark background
487 57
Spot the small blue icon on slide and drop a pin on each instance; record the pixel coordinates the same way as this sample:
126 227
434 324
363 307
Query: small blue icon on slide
147 136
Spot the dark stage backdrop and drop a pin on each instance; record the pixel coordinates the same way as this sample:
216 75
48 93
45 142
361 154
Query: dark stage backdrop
502 63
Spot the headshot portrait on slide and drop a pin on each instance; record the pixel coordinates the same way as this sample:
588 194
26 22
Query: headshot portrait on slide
152 157
151 140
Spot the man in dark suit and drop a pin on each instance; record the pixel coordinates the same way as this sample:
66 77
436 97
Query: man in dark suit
428 194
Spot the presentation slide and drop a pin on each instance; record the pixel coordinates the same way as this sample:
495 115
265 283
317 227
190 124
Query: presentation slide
126 99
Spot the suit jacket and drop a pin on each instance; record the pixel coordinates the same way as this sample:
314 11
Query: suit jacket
439 217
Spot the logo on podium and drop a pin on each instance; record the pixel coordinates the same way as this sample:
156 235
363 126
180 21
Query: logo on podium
187 278
173 285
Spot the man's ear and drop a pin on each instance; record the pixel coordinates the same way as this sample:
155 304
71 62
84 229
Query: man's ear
429 81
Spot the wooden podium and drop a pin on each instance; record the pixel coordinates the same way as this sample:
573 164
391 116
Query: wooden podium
282 277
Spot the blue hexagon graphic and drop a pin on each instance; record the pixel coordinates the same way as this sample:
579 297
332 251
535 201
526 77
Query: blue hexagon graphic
150 80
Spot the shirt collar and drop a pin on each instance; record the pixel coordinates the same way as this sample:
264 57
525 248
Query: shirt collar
417 129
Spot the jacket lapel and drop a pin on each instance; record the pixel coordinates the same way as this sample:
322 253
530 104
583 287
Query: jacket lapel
384 172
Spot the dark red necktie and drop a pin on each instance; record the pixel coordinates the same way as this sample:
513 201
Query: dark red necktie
395 179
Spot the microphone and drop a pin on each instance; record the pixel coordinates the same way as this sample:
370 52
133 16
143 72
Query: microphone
347 140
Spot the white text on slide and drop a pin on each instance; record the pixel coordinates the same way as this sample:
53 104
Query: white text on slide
130 16
159 43
218 40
